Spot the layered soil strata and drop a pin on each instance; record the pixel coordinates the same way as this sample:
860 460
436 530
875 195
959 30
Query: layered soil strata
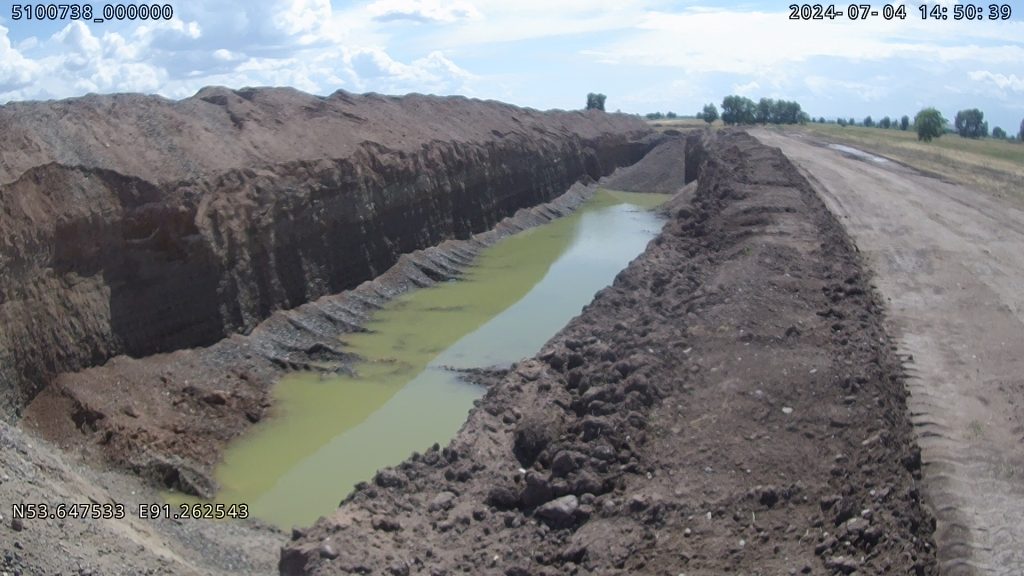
730 404
168 417
136 225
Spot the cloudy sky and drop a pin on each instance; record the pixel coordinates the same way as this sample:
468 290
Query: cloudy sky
646 55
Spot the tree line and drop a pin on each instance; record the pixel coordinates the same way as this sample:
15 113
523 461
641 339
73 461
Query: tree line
929 123
743 110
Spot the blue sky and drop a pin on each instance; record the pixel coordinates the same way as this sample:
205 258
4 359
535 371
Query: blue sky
645 55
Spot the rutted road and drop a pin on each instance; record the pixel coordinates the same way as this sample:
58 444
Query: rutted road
950 263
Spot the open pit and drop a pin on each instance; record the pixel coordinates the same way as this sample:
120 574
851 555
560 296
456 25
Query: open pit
180 277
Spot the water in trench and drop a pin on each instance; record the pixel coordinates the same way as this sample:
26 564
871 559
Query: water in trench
328 433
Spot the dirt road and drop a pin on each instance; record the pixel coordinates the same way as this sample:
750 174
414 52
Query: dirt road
950 263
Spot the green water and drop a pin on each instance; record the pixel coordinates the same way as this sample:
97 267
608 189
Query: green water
328 433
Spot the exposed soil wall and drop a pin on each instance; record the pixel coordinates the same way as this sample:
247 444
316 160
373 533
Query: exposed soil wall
730 404
168 417
136 225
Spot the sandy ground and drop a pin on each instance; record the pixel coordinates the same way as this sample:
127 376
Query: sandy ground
950 262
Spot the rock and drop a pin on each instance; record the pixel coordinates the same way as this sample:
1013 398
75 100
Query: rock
533 434
825 545
17 525
388 478
385 524
842 564
566 462
537 491
327 551
398 569
857 526
587 482
442 501
595 427
767 495
559 512
502 497
530 370
216 398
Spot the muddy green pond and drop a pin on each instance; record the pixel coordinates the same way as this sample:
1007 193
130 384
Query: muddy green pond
330 432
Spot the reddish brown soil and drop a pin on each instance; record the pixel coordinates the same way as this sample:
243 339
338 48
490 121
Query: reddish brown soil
730 404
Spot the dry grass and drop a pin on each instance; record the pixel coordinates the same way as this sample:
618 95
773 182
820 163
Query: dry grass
995 166
679 124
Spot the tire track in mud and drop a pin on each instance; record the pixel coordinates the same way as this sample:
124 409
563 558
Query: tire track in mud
949 260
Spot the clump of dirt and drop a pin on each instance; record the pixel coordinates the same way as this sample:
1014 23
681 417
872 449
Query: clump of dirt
730 404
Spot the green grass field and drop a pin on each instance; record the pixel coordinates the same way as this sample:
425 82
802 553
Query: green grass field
995 166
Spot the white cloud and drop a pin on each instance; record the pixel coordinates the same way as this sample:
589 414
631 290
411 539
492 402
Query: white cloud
751 88
372 68
423 10
16 71
1003 82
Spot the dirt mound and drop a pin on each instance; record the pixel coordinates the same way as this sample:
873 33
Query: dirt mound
659 171
729 404
136 225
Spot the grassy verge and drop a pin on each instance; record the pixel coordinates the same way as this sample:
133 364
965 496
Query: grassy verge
994 166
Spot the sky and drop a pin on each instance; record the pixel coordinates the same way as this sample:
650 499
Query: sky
645 55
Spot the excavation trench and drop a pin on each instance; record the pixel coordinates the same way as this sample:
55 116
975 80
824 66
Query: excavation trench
333 431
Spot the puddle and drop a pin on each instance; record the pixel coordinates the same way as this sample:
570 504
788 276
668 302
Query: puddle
858 153
330 433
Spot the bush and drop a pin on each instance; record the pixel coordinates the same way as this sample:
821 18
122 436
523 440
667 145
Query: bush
595 101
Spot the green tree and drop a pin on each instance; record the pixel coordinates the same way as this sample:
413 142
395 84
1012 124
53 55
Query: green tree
595 101
738 110
885 122
853 121
904 122
868 122
929 124
971 123
710 113
841 122
765 109
654 116
671 115
1020 135
998 133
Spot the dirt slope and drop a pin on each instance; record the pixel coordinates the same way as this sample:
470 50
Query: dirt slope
730 404
135 225
32 472
950 262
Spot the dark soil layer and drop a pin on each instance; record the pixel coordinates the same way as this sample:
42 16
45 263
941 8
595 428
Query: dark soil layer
730 404
137 225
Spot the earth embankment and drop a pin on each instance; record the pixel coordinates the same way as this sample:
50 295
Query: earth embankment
137 225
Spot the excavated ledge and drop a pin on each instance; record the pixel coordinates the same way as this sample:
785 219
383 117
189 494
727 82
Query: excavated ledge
137 225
